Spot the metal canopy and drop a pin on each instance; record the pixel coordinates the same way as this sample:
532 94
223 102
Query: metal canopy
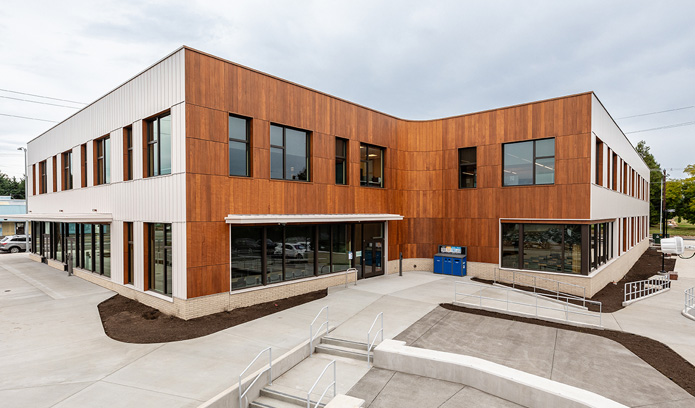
307 218
63 217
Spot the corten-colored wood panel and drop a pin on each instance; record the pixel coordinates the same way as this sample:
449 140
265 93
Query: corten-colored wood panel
420 166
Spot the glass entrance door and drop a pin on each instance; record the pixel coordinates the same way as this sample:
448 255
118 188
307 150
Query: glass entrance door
373 258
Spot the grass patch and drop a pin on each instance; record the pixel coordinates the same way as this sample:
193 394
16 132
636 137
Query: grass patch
683 229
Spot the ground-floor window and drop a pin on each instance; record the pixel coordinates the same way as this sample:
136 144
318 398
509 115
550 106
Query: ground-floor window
270 254
160 262
89 245
562 248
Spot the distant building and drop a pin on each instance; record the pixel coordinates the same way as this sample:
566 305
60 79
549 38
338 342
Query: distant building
11 225
201 185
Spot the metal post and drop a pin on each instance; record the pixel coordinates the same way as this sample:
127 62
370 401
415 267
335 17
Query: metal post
400 265
335 381
26 201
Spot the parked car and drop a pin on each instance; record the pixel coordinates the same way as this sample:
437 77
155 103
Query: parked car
291 251
14 243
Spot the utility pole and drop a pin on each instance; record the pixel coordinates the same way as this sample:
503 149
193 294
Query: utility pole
663 205
26 201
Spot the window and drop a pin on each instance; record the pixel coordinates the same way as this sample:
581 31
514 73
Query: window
528 163
103 161
158 146
33 179
160 263
66 181
83 165
128 255
289 153
43 179
340 161
55 173
239 146
371 166
467 167
599 162
128 153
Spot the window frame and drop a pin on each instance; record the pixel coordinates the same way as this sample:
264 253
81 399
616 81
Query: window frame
368 146
535 159
128 153
102 161
43 178
284 152
342 160
247 143
168 233
67 178
474 164
154 143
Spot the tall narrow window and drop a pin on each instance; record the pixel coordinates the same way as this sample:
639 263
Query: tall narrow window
128 255
43 178
340 161
528 163
239 146
83 165
160 258
66 180
127 153
599 162
289 153
467 167
371 166
158 146
55 173
103 161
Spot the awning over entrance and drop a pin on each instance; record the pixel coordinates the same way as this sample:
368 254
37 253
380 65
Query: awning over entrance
64 217
307 218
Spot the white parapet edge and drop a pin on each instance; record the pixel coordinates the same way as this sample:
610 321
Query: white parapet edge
522 388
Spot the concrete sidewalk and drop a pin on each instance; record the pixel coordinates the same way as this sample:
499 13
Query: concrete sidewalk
55 353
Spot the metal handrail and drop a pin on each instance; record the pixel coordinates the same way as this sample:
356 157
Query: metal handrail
242 395
334 384
553 281
689 300
636 290
311 329
349 270
370 345
573 310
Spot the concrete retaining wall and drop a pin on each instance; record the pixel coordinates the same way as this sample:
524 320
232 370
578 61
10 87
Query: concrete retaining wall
514 385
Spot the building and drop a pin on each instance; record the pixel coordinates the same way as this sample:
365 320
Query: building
9 208
201 185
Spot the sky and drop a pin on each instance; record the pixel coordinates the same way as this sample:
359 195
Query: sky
410 59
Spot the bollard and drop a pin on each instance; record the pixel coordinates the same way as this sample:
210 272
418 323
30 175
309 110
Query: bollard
400 265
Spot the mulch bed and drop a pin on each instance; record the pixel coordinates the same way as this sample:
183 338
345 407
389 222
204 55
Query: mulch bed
612 295
132 322
654 353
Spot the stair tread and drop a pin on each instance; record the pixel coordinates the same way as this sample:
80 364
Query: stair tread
353 342
288 395
341 348
275 403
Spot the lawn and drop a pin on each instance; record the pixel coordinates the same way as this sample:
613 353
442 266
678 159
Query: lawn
683 229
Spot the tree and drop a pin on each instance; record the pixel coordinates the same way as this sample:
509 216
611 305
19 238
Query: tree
11 187
655 178
680 195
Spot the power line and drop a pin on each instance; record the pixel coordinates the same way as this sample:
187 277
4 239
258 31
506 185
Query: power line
42 103
41 96
663 127
654 113
25 117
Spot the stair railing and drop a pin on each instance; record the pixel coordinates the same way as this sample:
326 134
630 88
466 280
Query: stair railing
242 395
370 344
311 329
332 384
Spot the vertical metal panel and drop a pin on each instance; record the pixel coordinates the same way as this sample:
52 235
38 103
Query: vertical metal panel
59 170
117 251
76 167
116 155
137 149
90 163
179 259
139 255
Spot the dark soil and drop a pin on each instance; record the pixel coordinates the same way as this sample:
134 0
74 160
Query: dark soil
612 295
132 322
654 353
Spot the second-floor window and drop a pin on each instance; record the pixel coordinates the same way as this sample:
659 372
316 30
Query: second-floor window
371 165
66 181
238 146
467 167
43 178
528 163
158 151
340 161
83 165
103 161
128 150
289 153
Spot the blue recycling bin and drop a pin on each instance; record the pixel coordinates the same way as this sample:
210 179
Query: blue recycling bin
450 260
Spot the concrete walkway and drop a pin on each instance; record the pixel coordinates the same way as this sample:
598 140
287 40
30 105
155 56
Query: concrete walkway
54 353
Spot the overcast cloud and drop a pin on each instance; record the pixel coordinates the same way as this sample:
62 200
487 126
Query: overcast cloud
411 59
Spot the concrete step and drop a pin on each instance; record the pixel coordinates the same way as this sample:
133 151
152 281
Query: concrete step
348 352
344 343
267 402
286 398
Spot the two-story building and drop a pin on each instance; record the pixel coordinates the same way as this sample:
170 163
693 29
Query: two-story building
201 185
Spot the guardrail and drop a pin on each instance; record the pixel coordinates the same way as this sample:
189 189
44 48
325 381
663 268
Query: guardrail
311 329
370 345
568 308
533 280
242 395
689 300
640 289
333 384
